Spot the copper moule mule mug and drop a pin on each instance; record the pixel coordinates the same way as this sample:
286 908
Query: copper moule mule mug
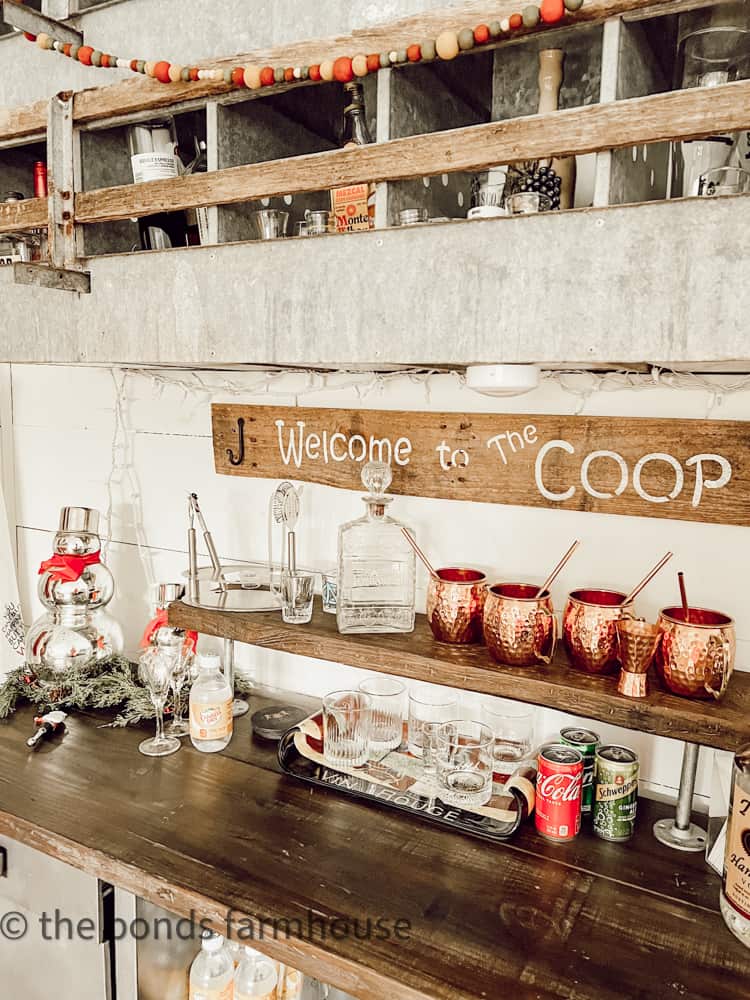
455 605
695 656
590 628
520 629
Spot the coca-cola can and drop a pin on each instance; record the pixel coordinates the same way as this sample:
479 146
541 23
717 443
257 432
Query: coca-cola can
559 785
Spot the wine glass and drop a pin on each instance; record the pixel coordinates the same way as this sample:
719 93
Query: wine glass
181 666
155 673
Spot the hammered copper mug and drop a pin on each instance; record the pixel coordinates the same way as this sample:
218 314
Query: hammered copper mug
520 628
590 629
695 658
455 605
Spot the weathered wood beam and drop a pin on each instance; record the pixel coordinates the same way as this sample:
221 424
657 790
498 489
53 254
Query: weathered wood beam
20 216
140 94
677 115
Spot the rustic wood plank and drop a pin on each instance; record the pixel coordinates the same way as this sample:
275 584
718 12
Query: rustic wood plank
605 465
24 120
20 216
676 115
724 725
209 833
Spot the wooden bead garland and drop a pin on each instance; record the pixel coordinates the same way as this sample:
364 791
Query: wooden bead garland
343 69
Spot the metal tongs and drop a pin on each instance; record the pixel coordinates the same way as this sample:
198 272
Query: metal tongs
193 512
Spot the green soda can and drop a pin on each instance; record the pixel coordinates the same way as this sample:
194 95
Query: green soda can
615 792
585 741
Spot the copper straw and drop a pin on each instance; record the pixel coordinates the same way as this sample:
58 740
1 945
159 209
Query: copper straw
683 596
648 578
558 569
428 565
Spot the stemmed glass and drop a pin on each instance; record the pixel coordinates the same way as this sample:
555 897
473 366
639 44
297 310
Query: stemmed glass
155 673
181 666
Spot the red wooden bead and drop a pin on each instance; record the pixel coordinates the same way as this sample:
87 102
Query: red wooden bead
516 21
289 74
134 65
29 37
161 71
267 76
84 54
194 73
552 11
414 53
238 76
373 63
342 69
481 34
105 61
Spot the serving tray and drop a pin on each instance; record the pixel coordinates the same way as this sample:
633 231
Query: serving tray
397 782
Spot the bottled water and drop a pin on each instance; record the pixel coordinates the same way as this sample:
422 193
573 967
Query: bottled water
212 972
256 977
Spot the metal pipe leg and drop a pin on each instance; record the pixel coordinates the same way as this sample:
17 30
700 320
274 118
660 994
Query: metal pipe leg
679 833
239 705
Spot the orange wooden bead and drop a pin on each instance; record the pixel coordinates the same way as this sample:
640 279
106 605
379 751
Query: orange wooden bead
84 54
66 49
552 11
414 53
238 76
267 76
194 73
161 71
342 69
373 63
289 74
481 34
515 21
314 72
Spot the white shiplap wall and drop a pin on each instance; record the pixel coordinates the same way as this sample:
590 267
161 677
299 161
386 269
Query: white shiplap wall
65 451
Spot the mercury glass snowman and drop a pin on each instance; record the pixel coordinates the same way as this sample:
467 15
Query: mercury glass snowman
75 587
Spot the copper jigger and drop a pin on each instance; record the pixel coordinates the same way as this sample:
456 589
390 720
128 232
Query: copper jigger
590 628
455 604
520 628
695 657
637 642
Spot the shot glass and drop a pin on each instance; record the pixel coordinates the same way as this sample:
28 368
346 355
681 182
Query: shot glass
297 597
464 763
329 591
528 203
430 732
513 729
387 698
346 728
428 704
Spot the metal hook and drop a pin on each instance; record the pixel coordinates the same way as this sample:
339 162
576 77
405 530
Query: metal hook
241 435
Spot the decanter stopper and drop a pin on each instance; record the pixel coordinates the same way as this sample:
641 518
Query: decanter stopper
377 477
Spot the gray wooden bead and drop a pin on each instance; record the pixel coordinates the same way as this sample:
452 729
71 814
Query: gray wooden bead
530 16
140 66
304 72
227 76
429 51
278 74
466 38
573 4
385 60
185 75
495 28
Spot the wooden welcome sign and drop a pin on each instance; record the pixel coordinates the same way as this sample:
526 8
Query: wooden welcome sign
691 470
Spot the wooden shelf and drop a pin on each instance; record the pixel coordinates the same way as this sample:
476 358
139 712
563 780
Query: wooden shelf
724 725
201 834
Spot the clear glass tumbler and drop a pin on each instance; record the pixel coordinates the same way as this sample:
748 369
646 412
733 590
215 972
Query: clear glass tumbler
428 704
346 728
297 597
513 727
464 763
388 697
269 223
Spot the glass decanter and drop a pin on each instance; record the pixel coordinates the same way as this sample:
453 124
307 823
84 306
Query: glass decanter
376 571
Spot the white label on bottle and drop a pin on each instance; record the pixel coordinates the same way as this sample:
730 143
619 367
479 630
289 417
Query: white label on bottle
211 720
154 167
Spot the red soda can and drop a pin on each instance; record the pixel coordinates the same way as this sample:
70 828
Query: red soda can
559 785
40 179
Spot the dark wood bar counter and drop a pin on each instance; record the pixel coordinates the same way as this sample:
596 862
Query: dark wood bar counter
588 920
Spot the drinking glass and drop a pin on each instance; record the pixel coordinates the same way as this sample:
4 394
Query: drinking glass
297 597
428 704
269 223
464 763
155 673
180 673
387 719
528 203
723 180
346 728
430 732
412 216
317 222
513 729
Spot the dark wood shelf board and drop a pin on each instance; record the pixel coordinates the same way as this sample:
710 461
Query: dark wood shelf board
212 832
724 725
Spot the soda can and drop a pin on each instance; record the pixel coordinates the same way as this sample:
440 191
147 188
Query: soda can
615 792
559 782
585 741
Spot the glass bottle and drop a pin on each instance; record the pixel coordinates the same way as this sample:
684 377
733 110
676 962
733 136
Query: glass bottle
212 972
153 156
376 570
735 883
211 722
353 206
